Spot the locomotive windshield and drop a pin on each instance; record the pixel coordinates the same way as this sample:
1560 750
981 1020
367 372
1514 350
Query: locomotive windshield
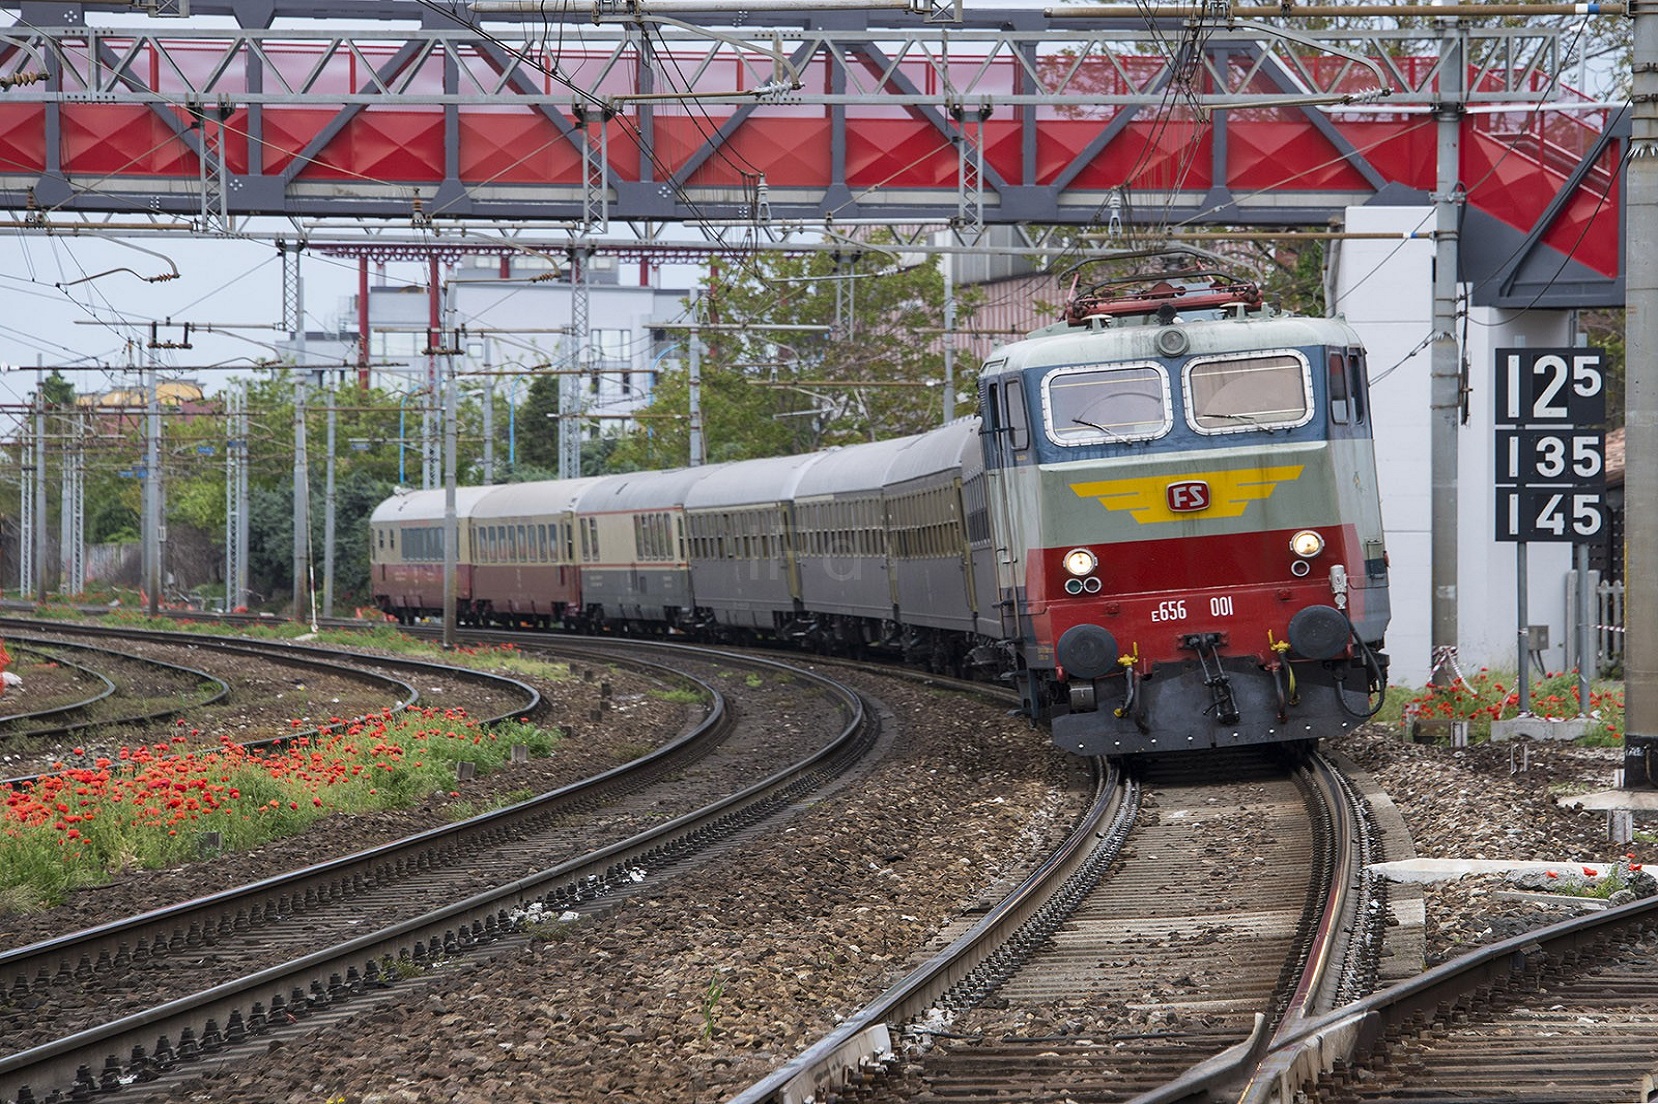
1235 394
1091 404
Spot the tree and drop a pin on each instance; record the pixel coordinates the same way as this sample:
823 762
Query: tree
866 363
538 424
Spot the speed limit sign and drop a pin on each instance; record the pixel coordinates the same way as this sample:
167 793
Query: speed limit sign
1550 444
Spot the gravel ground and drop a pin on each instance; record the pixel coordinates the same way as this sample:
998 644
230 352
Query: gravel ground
1469 803
694 991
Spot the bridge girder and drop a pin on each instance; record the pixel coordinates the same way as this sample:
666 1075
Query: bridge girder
343 111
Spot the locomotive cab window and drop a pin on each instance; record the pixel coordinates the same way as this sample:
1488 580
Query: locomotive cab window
1341 402
1237 394
1095 404
1358 372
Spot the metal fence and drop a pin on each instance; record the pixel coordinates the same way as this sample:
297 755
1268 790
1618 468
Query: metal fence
1606 624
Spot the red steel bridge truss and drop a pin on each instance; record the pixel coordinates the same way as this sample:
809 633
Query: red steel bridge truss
399 114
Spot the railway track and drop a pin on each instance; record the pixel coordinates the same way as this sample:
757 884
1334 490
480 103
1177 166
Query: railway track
1182 924
103 686
210 977
1590 1042
1561 1015
139 683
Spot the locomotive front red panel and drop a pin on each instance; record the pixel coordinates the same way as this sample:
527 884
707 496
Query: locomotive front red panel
1153 593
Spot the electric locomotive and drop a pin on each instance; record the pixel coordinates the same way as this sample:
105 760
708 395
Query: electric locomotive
1189 537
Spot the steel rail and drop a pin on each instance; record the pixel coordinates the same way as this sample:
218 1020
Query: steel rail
168 925
1352 1033
220 692
60 710
316 657
1234 1070
865 1038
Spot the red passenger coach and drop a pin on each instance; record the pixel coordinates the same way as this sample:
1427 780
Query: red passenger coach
406 552
527 571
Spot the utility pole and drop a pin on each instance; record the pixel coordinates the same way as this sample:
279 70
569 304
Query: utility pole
489 417
451 522
72 522
155 531
1641 408
27 524
333 396
695 385
236 498
947 265
1445 388
302 500
38 583
569 386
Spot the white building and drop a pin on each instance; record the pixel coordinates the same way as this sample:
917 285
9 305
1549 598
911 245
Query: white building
511 325
1385 290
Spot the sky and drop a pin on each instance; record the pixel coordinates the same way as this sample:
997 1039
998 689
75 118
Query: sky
80 303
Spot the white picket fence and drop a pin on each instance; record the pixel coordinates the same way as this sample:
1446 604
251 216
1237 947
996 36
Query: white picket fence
1607 627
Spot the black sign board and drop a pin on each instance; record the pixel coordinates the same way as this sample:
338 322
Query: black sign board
1550 444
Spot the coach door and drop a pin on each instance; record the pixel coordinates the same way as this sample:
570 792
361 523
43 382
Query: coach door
1007 446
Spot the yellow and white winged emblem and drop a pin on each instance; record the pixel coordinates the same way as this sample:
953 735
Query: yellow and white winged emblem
1218 494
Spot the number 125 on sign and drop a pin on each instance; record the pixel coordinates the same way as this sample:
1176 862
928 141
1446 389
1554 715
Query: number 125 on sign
1546 515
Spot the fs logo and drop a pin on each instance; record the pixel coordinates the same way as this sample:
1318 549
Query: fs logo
1224 494
1187 497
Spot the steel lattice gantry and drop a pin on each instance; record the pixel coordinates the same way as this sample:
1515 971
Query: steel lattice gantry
347 112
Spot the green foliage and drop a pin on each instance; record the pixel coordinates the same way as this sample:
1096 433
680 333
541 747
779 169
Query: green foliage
1605 330
1292 279
867 363
684 696
710 1005
537 421
113 516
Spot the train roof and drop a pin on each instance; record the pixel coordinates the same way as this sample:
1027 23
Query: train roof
427 504
1066 344
540 497
947 447
853 468
648 490
750 482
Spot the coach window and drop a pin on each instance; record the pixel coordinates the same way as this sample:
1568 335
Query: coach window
1094 404
1236 394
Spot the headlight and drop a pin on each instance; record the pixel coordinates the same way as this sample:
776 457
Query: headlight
1080 561
1306 544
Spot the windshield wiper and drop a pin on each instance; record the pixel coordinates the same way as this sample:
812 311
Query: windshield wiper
1103 429
1247 419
